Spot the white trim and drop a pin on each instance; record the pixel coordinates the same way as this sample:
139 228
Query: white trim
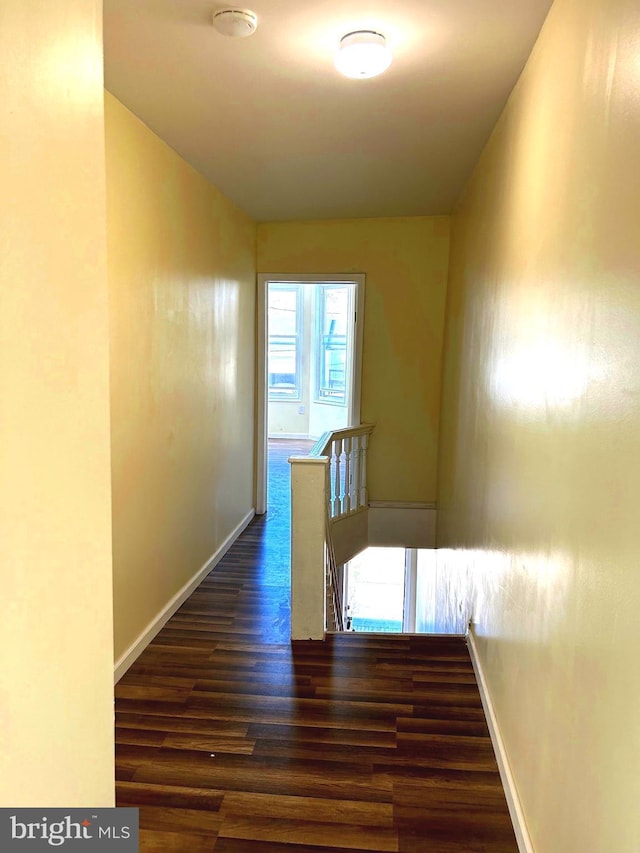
295 436
158 622
401 505
410 586
261 400
508 782
397 635
359 279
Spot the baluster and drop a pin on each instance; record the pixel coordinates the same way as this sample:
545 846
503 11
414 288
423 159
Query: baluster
329 606
328 487
363 470
355 473
331 494
337 496
346 504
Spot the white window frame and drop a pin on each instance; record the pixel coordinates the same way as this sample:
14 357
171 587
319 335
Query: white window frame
280 396
319 351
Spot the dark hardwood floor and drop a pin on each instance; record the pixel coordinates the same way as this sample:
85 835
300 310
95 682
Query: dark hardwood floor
232 739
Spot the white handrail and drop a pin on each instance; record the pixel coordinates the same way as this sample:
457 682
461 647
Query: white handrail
322 444
347 453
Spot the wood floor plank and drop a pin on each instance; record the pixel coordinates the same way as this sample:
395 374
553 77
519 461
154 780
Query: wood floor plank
246 845
152 693
231 739
143 794
321 734
154 841
321 786
210 743
171 819
294 831
408 726
197 725
459 824
308 808
420 843
140 737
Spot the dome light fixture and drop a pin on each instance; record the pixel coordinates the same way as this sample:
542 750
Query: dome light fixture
363 53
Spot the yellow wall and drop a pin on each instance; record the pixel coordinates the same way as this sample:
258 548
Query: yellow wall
539 473
181 261
56 664
405 261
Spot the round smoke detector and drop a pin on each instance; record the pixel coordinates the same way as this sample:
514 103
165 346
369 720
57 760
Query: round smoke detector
236 23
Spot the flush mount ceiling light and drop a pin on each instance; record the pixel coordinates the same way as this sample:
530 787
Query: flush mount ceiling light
236 23
363 53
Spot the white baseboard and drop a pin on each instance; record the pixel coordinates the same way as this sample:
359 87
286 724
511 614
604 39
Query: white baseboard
402 524
293 436
138 646
508 783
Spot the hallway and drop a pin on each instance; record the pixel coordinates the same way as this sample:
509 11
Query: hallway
230 739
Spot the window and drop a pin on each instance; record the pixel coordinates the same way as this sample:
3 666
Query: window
333 311
283 358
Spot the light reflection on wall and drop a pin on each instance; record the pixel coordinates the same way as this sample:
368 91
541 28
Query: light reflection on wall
71 68
541 364
467 582
540 375
223 365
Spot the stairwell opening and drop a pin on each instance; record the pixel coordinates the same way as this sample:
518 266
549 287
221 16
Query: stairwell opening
396 590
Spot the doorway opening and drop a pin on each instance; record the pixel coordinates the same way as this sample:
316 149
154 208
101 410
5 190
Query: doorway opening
309 360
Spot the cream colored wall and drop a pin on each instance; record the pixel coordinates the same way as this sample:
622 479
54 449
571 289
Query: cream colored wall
56 667
181 261
539 474
405 261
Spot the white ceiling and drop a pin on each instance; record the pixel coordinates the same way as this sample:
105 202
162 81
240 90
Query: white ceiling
270 121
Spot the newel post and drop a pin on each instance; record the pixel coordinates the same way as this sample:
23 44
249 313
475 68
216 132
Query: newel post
308 525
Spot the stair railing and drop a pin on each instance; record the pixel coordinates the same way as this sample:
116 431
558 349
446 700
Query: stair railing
326 486
346 450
